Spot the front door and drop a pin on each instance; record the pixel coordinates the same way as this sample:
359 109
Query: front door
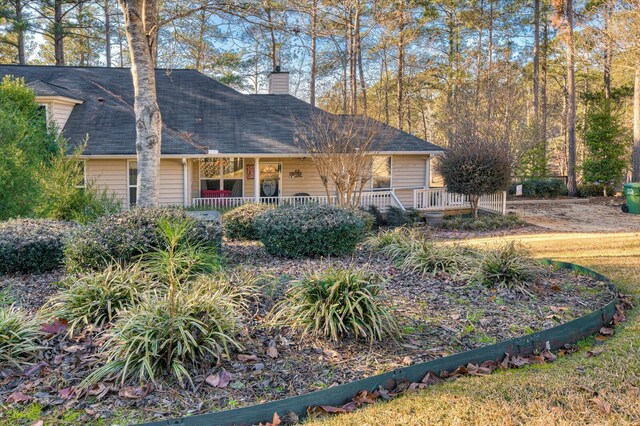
270 179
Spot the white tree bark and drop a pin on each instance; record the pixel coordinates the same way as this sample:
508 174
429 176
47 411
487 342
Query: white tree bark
141 18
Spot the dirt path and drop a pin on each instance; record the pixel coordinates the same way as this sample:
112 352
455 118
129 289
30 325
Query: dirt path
571 216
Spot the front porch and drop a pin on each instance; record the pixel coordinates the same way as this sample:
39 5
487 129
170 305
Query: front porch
436 199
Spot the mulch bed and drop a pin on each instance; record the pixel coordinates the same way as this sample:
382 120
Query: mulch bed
438 317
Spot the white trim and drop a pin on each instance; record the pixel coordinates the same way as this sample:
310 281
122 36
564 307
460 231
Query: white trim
185 183
59 99
230 155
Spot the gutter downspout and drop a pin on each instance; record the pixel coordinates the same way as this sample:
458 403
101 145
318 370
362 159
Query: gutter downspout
185 181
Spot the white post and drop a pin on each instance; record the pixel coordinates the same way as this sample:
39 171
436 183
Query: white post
256 180
185 183
504 203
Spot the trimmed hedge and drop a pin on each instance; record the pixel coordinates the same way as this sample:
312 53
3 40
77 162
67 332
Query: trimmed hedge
312 230
541 188
239 223
32 245
594 190
123 237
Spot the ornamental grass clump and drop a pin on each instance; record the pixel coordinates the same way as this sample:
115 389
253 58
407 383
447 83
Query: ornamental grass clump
395 243
19 334
169 334
336 303
97 298
509 266
240 223
312 230
182 323
428 258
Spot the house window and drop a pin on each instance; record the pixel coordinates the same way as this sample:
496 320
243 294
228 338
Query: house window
222 173
132 182
381 172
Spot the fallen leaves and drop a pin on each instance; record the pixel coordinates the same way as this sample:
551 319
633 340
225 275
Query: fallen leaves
131 392
602 404
55 327
247 357
272 352
17 397
221 379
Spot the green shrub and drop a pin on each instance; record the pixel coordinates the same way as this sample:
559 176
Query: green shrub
169 334
311 230
239 223
429 258
68 196
32 246
123 237
19 334
336 303
393 217
488 222
509 266
594 190
541 188
96 298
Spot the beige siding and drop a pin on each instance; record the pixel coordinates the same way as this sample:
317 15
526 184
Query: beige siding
60 113
110 175
408 172
171 182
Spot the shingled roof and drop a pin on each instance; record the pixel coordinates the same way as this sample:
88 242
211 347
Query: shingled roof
198 113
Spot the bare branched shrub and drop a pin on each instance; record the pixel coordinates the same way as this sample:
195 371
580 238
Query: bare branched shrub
342 149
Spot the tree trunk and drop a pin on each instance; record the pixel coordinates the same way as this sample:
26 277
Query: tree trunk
358 41
387 117
400 88
107 33
314 35
272 35
636 125
141 24
543 91
607 49
58 33
21 55
571 107
536 64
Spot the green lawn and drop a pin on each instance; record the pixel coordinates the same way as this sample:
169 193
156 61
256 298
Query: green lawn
602 390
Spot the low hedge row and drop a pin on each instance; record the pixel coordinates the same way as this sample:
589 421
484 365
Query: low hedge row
312 230
123 237
32 245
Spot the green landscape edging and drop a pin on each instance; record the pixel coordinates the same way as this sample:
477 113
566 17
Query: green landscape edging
553 338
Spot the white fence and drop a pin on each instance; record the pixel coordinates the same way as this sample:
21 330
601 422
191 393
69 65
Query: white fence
439 199
380 199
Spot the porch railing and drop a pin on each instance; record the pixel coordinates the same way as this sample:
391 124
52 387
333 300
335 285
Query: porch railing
380 199
440 199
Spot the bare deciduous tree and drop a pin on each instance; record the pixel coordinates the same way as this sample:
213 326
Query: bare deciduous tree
342 148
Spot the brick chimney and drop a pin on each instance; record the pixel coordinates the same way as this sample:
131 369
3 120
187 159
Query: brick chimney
278 82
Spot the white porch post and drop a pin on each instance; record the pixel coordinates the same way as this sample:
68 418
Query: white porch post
256 180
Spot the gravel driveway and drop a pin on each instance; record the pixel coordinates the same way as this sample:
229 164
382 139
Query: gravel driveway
569 215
